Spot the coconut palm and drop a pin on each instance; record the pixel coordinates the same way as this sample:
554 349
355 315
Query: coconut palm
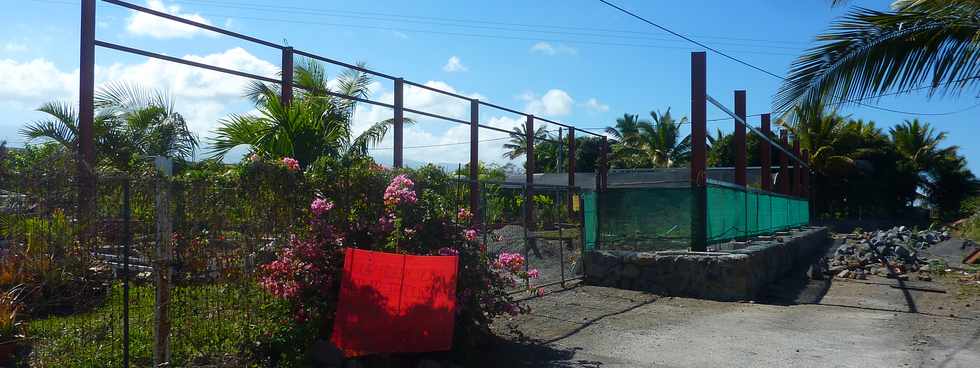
871 52
517 145
317 123
130 122
624 149
661 141
918 143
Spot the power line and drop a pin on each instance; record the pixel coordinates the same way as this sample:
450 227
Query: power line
443 20
478 35
740 61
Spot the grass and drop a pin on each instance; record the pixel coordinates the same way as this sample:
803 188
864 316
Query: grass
212 325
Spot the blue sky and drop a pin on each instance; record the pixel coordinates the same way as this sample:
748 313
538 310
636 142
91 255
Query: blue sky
576 61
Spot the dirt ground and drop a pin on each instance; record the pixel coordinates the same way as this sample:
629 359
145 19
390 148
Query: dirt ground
877 322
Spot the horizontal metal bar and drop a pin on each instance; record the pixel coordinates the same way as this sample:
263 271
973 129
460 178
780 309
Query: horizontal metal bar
182 61
502 108
437 116
349 97
194 24
553 122
756 131
436 90
505 131
343 64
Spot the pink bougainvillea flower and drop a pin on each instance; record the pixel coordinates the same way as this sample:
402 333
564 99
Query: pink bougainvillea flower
291 163
254 157
470 234
464 215
534 273
320 206
400 190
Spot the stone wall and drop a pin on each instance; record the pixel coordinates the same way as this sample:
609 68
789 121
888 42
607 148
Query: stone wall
740 274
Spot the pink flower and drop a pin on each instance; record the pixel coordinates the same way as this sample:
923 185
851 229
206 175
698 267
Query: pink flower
464 215
534 273
291 163
446 251
320 206
254 157
470 234
400 190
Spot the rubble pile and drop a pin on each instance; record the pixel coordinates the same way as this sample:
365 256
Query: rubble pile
889 253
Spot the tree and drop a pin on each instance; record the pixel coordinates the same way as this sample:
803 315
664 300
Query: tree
871 52
517 145
317 123
131 123
641 143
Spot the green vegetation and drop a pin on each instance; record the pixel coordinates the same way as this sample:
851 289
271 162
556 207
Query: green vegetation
212 325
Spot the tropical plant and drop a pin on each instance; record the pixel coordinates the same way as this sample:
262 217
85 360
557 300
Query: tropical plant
316 123
130 123
517 145
871 52
641 143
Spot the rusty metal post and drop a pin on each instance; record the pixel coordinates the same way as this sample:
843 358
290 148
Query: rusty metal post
806 183
529 171
397 160
784 178
740 159
765 156
604 168
797 169
86 120
699 162
162 263
475 161
571 172
286 96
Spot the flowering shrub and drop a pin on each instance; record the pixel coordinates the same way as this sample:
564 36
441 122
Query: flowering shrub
407 218
291 164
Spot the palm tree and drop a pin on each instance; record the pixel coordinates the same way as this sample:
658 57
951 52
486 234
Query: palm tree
130 122
517 145
917 142
661 141
870 52
317 123
624 148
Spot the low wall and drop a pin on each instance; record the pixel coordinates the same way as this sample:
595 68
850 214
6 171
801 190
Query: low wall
730 275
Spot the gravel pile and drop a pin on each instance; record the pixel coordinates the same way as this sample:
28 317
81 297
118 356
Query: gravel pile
889 253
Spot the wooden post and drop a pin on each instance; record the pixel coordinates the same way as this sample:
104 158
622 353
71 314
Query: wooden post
86 120
699 163
162 266
286 95
765 156
784 178
740 159
397 160
475 160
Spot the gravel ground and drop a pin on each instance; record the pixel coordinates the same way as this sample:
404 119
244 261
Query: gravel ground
550 258
801 323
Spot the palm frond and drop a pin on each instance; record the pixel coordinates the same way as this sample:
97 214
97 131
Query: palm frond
871 52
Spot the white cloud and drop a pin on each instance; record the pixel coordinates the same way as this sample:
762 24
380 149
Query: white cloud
594 105
555 102
202 96
454 65
143 24
545 48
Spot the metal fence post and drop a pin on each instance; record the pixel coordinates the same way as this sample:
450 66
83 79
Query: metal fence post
475 161
783 164
740 151
127 240
86 119
765 156
699 129
398 138
571 172
529 169
286 94
162 265
797 169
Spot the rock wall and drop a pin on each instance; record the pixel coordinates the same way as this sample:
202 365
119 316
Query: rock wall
730 275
